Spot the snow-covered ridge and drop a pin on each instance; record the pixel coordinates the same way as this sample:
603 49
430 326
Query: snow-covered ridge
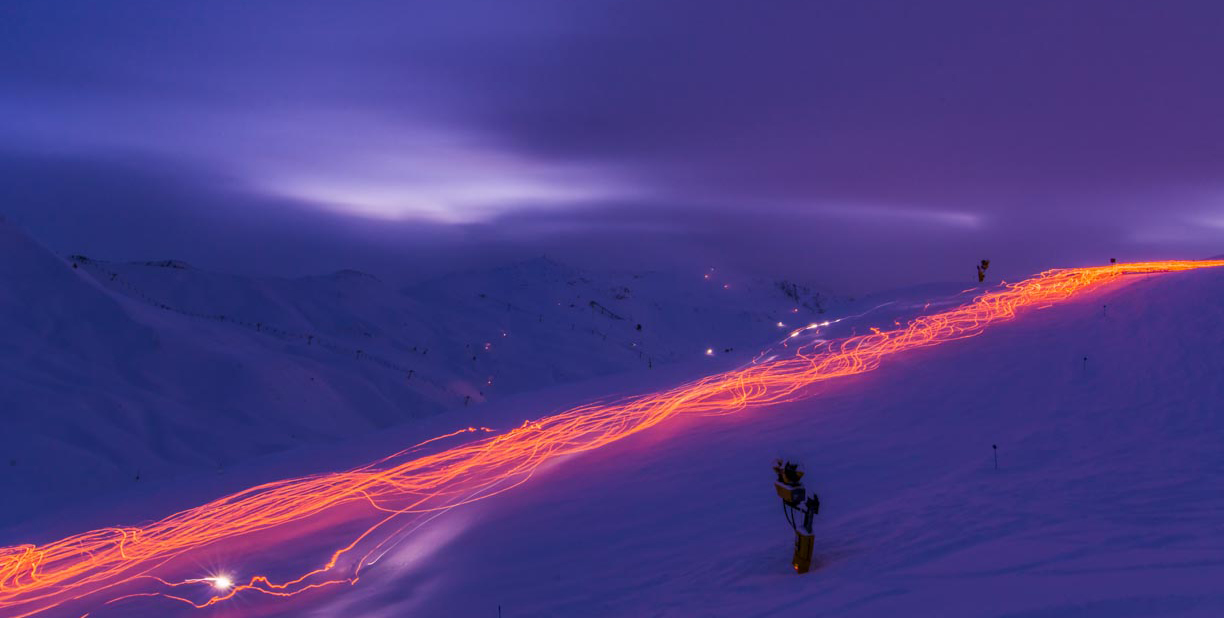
151 369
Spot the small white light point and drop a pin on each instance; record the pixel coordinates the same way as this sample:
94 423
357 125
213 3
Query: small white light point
222 582
709 351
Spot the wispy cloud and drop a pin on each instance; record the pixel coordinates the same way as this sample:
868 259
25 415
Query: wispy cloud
897 215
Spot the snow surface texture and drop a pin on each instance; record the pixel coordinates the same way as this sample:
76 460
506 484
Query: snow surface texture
1108 500
115 374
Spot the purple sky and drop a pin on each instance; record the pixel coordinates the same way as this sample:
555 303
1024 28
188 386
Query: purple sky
855 143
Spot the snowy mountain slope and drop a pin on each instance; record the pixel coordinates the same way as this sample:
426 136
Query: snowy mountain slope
122 373
1106 410
1107 501
41 303
98 391
680 316
484 333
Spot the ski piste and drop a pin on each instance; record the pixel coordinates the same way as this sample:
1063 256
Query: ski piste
386 499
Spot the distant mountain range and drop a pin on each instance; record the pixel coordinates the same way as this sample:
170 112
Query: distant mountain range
149 369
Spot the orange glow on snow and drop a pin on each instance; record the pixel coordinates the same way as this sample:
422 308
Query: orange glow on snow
110 564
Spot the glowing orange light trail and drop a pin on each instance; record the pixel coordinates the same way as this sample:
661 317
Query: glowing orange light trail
34 579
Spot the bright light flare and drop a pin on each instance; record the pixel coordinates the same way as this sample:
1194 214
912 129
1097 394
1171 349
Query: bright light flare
405 488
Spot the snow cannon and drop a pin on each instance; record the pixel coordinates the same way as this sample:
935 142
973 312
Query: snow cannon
802 559
788 485
795 500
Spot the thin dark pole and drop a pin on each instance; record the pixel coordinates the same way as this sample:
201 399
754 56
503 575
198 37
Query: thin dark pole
996 455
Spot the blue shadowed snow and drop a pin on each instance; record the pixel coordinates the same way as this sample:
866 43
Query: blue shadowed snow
1107 502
